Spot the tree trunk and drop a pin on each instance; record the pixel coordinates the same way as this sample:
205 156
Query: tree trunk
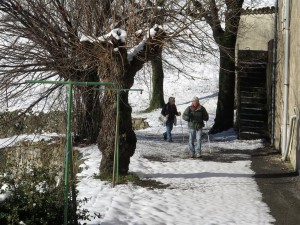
106 141
157 99
226 39
225 106
117 69
123 76
87 108
87 114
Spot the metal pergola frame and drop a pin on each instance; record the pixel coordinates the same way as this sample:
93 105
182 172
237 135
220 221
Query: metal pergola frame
68 152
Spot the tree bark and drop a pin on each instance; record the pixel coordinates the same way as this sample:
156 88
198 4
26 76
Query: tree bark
106 141
87 114
86 107
226 39
119 70
157 99
225 106
122 74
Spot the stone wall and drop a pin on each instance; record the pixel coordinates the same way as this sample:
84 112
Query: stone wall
294 90
139 123
255 31
38 154
19 122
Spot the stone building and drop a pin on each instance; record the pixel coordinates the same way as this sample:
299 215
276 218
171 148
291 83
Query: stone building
280 54
254 72
287 91
256 29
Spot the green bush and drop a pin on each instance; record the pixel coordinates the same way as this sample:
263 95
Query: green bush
36 198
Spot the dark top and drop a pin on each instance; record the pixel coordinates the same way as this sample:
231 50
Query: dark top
170 110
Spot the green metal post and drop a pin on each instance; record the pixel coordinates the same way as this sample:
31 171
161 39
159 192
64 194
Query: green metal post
115 178
117 133
67 156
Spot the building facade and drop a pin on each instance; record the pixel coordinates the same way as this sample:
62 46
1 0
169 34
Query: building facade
282 45
253 73
287 80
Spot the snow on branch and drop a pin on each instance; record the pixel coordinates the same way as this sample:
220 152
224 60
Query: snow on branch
138 48
120 36
117 34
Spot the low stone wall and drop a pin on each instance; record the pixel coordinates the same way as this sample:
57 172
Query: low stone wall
45 153
18 122
139 123
27 154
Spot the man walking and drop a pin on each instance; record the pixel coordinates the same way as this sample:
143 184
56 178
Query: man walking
195 115
169 111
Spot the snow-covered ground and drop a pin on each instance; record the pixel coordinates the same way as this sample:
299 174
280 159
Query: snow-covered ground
197 191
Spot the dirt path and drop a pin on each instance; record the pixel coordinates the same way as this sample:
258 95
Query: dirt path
279 185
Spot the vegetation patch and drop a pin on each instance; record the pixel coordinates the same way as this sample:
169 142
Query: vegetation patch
32 185
18 122
156 158
134 179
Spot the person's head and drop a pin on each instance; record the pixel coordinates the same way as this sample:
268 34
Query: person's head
195 101
172 100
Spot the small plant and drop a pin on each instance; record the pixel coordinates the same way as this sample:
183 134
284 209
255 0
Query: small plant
35 197
123 179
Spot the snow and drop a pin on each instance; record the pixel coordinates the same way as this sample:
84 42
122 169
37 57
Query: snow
5 193
119 34
10 141
86 38
135 50
153 30
139 47
199 192
258 3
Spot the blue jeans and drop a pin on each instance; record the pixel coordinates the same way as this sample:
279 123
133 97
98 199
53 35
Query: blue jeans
169 126
195 134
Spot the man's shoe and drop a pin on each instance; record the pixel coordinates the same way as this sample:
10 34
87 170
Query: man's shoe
198 155
192 155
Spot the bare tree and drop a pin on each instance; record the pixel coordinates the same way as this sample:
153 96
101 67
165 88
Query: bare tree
215 13
91 40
